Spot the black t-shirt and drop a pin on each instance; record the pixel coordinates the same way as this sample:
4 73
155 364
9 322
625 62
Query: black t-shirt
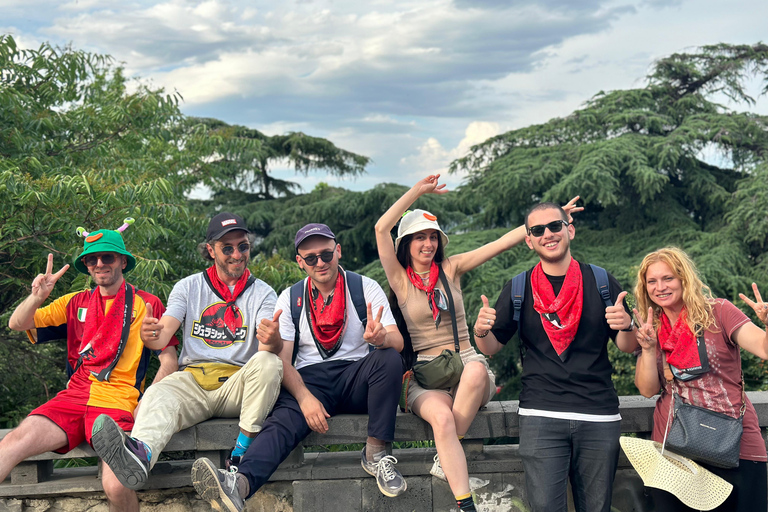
579 380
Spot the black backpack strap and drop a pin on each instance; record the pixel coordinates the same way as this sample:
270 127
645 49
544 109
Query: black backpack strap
451 309
297 293
601 280
355 286
518 291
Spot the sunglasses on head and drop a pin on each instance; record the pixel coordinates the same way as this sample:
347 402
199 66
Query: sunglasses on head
554 227
93 259
229 250
326 256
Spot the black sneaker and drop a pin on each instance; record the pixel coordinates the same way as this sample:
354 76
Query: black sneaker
391 483
231 462
217 486
125 456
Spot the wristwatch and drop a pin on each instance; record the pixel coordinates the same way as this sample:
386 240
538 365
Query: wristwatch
631 325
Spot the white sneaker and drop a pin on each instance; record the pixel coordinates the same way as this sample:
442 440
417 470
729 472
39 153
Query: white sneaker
437 469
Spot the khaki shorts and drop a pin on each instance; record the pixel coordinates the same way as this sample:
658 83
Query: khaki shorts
467 355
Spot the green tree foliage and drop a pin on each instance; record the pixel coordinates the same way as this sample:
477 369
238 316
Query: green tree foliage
78 147
660 165
239 160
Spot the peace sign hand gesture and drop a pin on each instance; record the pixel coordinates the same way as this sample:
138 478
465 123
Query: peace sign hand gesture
43 284
646 334
374 332
570 207
760 307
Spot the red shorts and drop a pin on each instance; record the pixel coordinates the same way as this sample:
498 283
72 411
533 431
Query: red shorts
70 412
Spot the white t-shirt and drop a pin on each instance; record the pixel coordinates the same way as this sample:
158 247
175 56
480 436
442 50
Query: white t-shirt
353 347
193 303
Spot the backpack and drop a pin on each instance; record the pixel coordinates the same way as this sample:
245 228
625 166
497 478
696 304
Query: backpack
518 291
355 286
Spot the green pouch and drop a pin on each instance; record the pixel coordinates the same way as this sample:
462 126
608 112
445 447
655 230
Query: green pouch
442 372
407 376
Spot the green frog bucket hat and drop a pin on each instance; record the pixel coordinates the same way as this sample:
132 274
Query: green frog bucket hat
104 240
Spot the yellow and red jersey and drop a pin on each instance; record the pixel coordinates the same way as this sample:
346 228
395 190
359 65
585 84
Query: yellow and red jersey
65 317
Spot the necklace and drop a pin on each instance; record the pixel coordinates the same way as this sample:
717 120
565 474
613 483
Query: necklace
422 273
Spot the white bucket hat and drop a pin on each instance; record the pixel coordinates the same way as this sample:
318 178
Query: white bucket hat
415 221
693 485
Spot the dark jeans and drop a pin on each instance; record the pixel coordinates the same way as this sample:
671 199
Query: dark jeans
555 451
369 385
750 490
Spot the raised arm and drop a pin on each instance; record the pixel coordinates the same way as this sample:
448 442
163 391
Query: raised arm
464 262
23 317
157 333
749 336
646 372
395 272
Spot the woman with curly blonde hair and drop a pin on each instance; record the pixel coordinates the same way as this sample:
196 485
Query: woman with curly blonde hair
690 344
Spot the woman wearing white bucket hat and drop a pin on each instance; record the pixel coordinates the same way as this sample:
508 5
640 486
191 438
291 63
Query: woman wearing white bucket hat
421 305
679 310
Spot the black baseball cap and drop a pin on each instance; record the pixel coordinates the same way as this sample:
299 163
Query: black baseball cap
222 224
312 230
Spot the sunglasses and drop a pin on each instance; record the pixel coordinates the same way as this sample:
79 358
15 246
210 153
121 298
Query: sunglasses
229 250
326 256
93 259
554 227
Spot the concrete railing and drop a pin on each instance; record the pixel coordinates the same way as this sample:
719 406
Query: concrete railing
316 475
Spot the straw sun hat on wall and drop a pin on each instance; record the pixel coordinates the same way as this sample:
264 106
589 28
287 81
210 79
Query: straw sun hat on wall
690 483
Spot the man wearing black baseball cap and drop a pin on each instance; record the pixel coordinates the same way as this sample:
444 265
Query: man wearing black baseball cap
346 361
229 363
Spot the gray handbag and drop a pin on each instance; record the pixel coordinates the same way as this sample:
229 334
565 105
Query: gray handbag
706 436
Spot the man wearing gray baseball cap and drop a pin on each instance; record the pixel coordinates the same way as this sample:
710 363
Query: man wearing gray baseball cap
337 359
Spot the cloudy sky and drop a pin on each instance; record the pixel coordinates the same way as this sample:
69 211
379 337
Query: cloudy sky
410 83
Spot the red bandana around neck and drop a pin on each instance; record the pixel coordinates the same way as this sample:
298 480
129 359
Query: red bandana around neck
328 319
230 315
679 342
434 273
102 333
560 315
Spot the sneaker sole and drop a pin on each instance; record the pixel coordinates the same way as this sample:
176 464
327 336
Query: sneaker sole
108 441
438 474
207 485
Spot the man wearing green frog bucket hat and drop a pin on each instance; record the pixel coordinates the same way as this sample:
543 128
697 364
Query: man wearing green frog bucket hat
106 359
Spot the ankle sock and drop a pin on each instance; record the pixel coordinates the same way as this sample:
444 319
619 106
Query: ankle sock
241 445
374 452
465 502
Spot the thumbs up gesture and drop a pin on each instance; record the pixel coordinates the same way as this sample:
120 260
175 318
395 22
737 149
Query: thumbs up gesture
616 316
151 328
374 332
486 317
268 332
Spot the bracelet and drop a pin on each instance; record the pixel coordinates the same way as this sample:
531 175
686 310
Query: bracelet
474 331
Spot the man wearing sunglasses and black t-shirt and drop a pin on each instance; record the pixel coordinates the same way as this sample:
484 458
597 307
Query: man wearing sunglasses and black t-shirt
569 410
341 366
229 359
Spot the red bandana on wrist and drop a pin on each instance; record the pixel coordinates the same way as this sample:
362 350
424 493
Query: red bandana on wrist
679 342
102 333
434 273
328 319
230 314
560 315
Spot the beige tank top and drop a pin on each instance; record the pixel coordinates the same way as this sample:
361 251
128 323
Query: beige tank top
421 327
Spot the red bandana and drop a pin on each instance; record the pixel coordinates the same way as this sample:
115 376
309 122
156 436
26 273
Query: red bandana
102 334
679 342
434 273
328 319
560 315
230 315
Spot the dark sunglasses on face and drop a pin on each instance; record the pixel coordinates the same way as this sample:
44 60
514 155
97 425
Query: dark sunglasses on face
326 256
554 227
229 250
92 259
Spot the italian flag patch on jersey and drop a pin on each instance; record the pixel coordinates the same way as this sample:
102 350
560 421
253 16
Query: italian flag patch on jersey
81 314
